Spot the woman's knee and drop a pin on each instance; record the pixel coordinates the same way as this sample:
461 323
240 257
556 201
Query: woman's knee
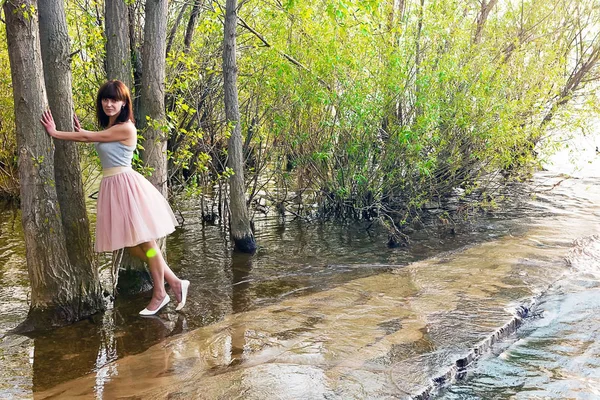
149 248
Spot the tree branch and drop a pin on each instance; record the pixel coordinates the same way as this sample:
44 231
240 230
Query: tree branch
284 55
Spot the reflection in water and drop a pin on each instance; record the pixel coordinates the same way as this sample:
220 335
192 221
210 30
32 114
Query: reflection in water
107 353
68 361
241 267
112 344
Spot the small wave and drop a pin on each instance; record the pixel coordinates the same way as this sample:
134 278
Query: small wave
584 257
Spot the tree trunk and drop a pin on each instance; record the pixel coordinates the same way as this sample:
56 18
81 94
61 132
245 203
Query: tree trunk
55 47
56 298
152 96
482 16
241 231
118 54
136 62
191 26
396 13
130 272
418 58
173 30
152 102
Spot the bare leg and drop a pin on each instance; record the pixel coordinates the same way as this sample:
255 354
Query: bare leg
172 279
159 270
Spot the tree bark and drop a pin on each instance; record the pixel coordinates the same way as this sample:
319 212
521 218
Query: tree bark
152 102
55 297
152 97
118 54
132 276
241 231
55 48
136 61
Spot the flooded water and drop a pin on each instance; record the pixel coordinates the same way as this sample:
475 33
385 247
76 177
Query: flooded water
295 258
326 310
555 355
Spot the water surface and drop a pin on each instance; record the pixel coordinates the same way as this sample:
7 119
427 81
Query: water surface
295 258
326 310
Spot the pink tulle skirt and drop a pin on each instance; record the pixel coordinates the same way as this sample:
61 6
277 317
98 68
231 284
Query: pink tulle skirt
130 211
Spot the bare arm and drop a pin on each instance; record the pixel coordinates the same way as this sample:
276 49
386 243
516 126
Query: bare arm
116 133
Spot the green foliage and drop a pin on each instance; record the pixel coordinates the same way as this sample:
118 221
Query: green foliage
360 107
369 119
26 11
88 45
9 180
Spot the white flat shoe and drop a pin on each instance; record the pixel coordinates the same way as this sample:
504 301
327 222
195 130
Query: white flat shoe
165 301
185 284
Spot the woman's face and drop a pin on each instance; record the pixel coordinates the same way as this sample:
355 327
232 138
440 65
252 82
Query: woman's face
112 107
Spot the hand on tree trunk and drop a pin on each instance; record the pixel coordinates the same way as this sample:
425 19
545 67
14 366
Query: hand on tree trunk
48 122
76 123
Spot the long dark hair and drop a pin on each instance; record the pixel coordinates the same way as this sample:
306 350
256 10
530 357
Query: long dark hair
114 90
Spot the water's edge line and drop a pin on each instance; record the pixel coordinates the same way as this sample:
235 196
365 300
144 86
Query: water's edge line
459 368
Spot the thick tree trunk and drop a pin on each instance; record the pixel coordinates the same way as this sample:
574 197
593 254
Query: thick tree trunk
152 96
241 231
133 277
55 47
55 297
136 61
118 54
152 102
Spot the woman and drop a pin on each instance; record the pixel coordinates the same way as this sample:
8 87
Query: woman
131 212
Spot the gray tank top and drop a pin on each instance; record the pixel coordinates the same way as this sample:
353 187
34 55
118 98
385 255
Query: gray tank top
114 154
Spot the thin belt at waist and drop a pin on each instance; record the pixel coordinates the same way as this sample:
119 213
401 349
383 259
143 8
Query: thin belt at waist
114 171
